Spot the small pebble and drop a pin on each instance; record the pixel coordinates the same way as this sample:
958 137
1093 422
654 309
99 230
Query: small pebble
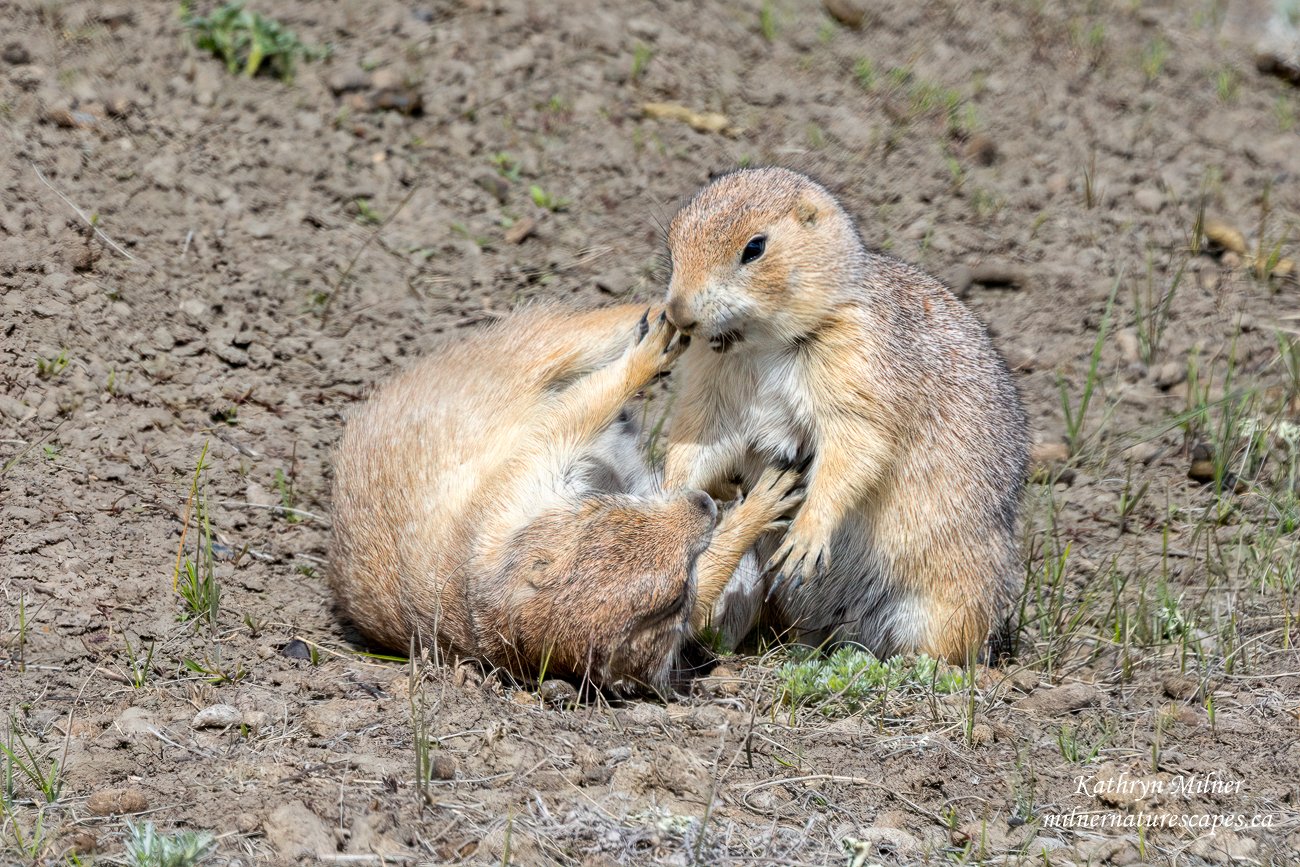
850 13
217 716
558 692
1143 453
1130 349
116 802
521 231
1002 274
296 649
1169 374
1063 699
255 720
1181 686
982 150
1224 237
443 767
16 53
1149 200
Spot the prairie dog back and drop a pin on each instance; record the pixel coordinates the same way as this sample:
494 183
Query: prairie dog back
492 500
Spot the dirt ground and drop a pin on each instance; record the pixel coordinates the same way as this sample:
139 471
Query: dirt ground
270 251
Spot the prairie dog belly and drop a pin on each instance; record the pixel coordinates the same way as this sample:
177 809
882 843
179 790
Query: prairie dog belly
779 414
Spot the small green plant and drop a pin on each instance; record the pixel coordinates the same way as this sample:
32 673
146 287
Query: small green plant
865 72
851 677
214 670
1074 748
1077 415
145 847
1226 82
507 166
1153 59
48 368
1129 499
29 843
1288 355
288 498
549 201
139 663
247 40
1094 43
767 21
956 174
18 643
366 213
256 625
1151 308
195 578
1091 195
642 54
1284 111
1197 236
226 415
482 241
39 768
984 203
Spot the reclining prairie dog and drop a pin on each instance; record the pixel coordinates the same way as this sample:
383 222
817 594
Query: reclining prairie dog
809 344
493 498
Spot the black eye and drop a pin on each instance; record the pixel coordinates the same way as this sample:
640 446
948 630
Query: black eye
753 249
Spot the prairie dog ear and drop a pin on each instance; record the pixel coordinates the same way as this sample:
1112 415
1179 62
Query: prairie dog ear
806 210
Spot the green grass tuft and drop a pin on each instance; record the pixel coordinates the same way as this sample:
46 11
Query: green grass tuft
247 40
850 677
145 847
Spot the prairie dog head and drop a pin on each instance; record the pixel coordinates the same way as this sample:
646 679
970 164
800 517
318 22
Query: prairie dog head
759 254
607 591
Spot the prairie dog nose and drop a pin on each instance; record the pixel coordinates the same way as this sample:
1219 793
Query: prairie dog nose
704 503
679 316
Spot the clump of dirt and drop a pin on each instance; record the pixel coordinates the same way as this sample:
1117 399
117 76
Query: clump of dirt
200 264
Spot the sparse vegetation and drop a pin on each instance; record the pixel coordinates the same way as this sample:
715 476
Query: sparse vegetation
1160 612
39 769
146 847
1226 82
1151 308
248 41
195 578
549 201
1153 59
865 73
849 678
767 21
49 368
1076 413
642 54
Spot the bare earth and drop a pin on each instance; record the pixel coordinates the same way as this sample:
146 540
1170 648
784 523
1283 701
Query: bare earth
279 249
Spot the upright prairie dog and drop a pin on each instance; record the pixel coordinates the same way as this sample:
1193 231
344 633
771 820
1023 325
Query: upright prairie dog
809 344
493 499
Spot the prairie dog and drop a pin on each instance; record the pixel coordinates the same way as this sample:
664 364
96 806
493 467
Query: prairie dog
493 499
808 344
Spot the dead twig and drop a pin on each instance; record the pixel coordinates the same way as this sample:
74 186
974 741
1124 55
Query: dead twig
99 233
338 284
836 778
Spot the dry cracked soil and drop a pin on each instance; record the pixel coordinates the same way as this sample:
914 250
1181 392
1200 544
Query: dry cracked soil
202 273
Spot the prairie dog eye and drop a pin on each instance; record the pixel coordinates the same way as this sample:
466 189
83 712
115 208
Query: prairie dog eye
753 249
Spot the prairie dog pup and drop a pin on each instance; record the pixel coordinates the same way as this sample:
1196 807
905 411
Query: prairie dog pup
493 499
809 344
